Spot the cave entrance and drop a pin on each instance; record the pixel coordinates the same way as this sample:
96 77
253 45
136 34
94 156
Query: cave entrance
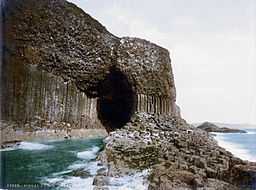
116 102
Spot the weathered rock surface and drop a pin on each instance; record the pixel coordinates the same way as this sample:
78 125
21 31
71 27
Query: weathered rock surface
60 64
179 156
57 58
210 127
80 173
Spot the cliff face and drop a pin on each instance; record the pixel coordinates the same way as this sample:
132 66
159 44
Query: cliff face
58 39
63 68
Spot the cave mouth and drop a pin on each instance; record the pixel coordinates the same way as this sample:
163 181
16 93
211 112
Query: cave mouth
116 102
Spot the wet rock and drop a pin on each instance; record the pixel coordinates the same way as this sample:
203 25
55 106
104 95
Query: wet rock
10 144
53 46
102 172
244 175
100 188
177 159
215 184
100 181
80 173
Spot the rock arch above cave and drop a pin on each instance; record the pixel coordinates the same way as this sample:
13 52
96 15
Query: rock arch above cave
122 74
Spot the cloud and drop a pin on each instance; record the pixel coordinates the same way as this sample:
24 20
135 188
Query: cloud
212 45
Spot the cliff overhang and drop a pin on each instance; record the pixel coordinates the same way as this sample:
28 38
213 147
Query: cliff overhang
58 38
61 65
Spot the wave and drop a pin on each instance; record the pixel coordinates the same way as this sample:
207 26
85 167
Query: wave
33 146
61 173
7 149
130 182
91 167
60 181
251 133
78 183
88 154
136 181
77 165
28 146
70 183
236 149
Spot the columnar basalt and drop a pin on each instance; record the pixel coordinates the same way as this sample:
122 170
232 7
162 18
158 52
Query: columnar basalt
177 155
36 99
58 38
61 65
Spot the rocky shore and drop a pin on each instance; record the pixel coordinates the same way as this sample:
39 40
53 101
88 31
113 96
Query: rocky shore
67 69
12 135
177 155
210 127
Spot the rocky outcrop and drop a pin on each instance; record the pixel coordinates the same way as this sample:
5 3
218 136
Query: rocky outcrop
63 66
53 47
178 156
210 127
9 144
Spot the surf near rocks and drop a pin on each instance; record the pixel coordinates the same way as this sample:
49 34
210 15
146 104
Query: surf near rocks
177 154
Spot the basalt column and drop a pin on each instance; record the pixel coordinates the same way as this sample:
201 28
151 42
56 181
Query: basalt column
35 99
149 67
62 65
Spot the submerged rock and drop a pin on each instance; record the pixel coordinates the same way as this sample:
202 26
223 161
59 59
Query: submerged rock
210 127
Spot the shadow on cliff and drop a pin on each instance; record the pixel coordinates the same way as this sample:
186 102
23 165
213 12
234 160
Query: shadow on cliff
117 101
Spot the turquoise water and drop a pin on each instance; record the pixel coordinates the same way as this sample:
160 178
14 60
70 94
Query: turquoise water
52 166
37 163
242 145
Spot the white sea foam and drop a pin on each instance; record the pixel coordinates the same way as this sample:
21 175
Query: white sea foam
236 149
251 133
33 146
69 183
91 167
7 149
52 181
77 183
136 181
77 165
130 182
61 173
88 154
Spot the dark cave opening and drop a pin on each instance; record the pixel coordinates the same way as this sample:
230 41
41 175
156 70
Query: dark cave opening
116 102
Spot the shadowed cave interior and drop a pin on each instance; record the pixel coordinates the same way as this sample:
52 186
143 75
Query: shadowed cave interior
116 102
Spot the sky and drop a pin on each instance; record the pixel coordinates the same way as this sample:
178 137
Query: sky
212 46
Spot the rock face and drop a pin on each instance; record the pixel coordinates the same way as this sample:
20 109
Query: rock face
61 65
210 127
59 47
178 155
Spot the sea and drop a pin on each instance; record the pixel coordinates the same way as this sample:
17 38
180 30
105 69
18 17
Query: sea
51 165
241 145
